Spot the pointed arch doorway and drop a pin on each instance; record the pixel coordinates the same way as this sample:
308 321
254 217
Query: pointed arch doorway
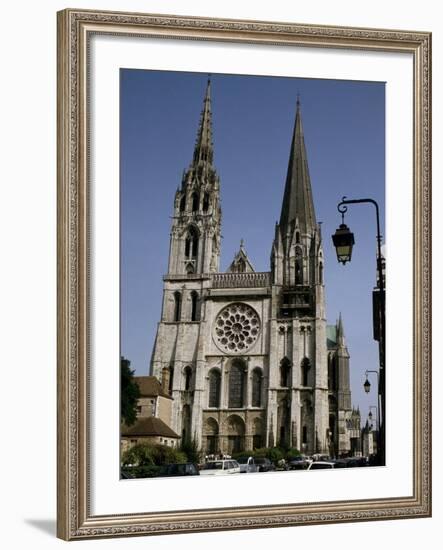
236 434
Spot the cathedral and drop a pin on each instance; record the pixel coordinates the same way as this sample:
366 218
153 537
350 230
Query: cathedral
247 356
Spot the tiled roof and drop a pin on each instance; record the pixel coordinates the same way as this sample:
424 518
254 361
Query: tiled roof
150 387
149 426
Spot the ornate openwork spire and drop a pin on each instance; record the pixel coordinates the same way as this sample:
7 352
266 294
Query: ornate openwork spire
297 200
203 152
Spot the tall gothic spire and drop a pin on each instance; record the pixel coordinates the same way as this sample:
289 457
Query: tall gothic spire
203 152
297 199
195 235
340 332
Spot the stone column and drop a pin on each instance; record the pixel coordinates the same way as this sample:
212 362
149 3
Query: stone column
248 383
224 385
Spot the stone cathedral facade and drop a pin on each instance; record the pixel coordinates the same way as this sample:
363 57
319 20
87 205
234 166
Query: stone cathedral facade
247 356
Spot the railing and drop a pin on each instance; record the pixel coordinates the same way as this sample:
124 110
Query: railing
241 280
185 276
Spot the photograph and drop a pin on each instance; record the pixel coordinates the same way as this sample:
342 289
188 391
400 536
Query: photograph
252 274
244 246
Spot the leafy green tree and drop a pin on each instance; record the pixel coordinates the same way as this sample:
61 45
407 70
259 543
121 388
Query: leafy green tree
168 455
145 459
141 454
292 453
191 450
262 452
129 393
275 454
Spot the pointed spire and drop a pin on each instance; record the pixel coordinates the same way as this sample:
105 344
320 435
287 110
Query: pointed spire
203 152
297 199
340 332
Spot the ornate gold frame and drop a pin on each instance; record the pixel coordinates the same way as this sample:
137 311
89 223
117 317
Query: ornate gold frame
74 518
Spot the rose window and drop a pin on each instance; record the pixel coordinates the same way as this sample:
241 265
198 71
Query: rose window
236 328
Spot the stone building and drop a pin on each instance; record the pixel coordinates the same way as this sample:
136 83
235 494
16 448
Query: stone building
154 415
344 420
246 355
369 440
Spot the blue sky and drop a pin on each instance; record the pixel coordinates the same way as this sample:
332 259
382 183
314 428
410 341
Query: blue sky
253 118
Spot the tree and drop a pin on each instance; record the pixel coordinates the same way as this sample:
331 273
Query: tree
191 450
129 393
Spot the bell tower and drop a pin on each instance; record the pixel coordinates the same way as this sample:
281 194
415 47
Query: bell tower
297 255
195 234
298 393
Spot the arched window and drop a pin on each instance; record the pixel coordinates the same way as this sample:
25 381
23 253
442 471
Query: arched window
188 377
332 373
241 265
177 306
256 387
298 266
320 273
214 388
186 424
305 366
285 371
183 203
211 431
297 238
282 422
194 305
206 202
195 202
191 243
257 434
236 434
236 384
171 379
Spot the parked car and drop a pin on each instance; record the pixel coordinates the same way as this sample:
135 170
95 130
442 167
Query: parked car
264 465
247 465
357 462
341 463
320 465
299 463
220 467
351 462
319 457
185 469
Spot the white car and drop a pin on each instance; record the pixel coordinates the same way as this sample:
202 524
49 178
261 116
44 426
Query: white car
220 467
247 465
320 465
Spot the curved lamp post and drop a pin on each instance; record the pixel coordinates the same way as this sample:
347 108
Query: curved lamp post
376 416
344 241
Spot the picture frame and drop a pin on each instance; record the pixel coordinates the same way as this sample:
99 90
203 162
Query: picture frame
76 210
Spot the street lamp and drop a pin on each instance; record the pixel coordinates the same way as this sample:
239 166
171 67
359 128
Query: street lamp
367 384
343 240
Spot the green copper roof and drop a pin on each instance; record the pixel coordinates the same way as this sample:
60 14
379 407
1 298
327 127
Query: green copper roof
331 336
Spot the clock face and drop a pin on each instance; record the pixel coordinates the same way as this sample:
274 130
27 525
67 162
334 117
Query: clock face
236 328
